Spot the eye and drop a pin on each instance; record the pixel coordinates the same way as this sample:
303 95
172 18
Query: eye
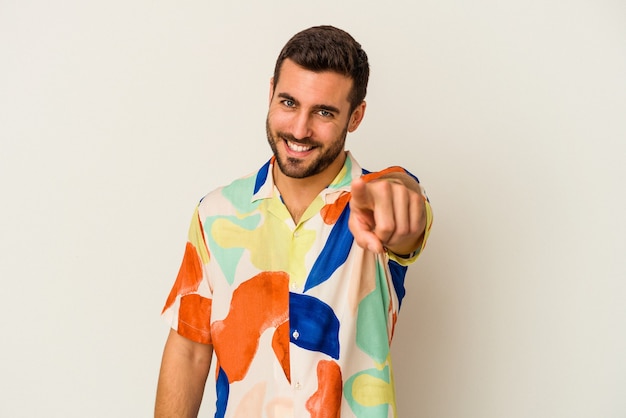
288 103
325 113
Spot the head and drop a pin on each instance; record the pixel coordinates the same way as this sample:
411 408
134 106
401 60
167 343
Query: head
326 48
316 98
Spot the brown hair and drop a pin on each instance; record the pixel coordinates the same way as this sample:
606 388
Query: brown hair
326 48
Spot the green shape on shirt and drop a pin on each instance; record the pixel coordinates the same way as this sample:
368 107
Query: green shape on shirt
344 177
370 393
239 192
372 319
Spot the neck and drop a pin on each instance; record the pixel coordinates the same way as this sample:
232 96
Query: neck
298 193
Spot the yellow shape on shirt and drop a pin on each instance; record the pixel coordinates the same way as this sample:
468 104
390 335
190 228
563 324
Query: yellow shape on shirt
273 245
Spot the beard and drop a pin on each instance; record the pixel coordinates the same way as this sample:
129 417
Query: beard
296 167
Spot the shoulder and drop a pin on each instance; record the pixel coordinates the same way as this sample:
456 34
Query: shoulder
237 195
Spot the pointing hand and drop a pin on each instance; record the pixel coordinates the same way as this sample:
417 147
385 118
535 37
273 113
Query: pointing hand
387 213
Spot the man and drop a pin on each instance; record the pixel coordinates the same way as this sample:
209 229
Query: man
293 276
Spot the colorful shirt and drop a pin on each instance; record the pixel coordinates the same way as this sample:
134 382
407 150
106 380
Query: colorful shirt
300 317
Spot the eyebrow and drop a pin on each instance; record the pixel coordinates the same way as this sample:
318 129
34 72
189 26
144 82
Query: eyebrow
328 108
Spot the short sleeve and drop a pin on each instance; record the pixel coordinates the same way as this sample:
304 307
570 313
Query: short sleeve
188 306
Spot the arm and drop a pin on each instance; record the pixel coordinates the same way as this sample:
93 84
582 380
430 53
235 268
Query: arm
388 212
184 371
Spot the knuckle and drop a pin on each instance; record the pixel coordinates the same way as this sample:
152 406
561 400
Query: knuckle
403 230
385 228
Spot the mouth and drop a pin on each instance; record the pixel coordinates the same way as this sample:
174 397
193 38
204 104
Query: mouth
298 147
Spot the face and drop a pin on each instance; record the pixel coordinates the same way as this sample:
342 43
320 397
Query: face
308 120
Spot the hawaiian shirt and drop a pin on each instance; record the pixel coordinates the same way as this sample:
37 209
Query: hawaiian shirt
300 317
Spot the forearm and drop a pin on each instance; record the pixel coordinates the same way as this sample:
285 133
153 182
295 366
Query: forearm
182 378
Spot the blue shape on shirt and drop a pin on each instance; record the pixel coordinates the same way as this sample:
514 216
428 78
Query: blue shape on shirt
222 389
261 176
398 273
313 325
334 253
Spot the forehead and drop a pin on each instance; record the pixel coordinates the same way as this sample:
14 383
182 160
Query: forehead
328 87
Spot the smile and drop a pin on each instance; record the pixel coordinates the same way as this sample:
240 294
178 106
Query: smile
297 147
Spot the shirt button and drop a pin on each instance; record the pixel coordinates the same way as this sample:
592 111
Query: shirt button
295 334
296 234
297 386
294 286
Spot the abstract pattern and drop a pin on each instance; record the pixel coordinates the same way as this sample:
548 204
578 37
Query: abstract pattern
326 401
257 304
370 393
300 318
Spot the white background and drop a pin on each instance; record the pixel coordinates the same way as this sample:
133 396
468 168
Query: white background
117 116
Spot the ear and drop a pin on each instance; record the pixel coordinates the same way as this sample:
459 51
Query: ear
271 88
356 117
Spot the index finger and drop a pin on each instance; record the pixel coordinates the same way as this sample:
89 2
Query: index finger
361 198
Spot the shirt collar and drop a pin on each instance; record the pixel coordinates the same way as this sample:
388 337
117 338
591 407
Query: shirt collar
265 180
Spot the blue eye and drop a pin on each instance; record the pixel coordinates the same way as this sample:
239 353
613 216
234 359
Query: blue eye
325 113
289 103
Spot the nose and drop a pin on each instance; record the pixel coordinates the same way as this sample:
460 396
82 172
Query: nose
301 127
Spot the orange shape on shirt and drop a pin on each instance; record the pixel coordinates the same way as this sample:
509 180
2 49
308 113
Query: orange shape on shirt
189 275
326 401
280 344
331 212
194 318
378 174
256 305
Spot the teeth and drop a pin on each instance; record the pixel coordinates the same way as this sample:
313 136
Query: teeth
298 148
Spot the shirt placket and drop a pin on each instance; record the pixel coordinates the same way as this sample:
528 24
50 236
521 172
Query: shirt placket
298 357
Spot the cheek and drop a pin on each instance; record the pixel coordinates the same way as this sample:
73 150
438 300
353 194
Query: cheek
330 132
279 121
326 133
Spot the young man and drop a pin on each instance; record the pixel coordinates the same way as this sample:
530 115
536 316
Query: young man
293 276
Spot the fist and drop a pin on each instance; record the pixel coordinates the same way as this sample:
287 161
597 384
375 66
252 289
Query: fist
388 213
